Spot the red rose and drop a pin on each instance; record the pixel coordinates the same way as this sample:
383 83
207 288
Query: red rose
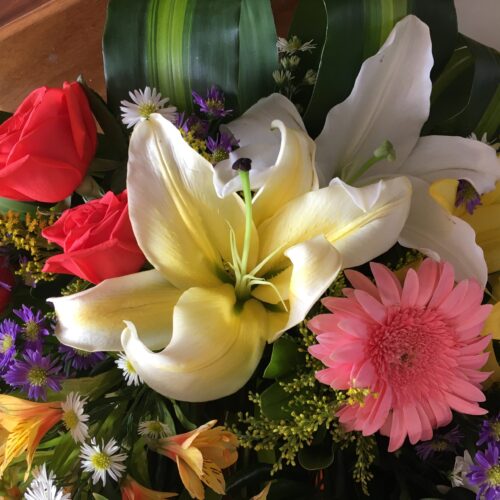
47 145
97 239
6 282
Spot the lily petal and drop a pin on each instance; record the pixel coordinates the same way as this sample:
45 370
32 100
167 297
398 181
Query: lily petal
214 348
176 215
441 157
434 232
92 320
316 263
359 230
390 101
256 140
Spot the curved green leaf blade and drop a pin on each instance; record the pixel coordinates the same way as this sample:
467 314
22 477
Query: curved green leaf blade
355 30
182 46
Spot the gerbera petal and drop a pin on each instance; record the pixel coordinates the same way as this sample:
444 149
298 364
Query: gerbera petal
175 212
361 282
410 289
92 320
388 285
438 157
389 101
214 350
442 236
358 234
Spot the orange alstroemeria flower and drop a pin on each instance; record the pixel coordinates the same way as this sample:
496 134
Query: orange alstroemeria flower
201 455
132 490
22 426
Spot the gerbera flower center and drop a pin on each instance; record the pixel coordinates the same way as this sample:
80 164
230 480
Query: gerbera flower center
493 475
70 419
31 331
101 461
37 376
402 348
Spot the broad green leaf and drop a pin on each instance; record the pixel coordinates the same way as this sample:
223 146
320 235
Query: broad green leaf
22 207
64 455
274 402
181 417
285 358
466 96
316 457
182 46
354 31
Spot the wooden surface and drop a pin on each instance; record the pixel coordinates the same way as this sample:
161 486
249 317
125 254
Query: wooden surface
45 42
52 43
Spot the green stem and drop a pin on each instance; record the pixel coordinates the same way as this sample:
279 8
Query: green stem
247 196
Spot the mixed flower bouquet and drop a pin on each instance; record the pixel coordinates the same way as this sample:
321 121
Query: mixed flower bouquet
280 281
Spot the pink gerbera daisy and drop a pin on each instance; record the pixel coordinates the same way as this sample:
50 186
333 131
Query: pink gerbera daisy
416 349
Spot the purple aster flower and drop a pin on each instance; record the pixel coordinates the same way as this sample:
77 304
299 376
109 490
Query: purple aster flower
34 374
34 327
214 104
80 360
441 442
8 333
193 124
490 431
467 195
221 146
486 474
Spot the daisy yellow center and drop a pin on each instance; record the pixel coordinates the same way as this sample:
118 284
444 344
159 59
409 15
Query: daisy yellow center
155 428
147 109
130 368
494 475
7 343
495 430
439 445
83 354
101 461
31 331
70 419
37 376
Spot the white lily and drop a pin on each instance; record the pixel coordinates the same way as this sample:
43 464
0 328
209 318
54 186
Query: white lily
390 101
229 276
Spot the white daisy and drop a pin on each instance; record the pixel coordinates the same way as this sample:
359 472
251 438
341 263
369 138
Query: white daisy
294 44
145 102
43 488
154 429
129 373
103 460
74 418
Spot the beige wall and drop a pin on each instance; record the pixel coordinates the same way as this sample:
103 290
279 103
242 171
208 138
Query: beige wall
480 19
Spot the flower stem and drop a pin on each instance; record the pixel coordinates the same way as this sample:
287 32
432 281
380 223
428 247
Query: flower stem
247 196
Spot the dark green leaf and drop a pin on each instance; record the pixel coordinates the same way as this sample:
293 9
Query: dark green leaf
182 46
65 453
185 422
316 457
285 358
274 401
355 30
22 207
112 129
4 115
466 96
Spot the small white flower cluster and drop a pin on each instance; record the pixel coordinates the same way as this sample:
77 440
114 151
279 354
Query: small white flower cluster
294 44
144 103
43 486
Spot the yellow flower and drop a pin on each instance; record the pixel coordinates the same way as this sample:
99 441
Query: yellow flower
22 426
201 455
132 490
485 219
230 274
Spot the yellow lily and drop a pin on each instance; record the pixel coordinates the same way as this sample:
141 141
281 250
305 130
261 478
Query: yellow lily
22 426
485 219
230 274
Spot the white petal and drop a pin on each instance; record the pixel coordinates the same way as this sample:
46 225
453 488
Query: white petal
256 139
442 157
93 320
316 264
434 232
341 216
390 101
180 223
215 348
